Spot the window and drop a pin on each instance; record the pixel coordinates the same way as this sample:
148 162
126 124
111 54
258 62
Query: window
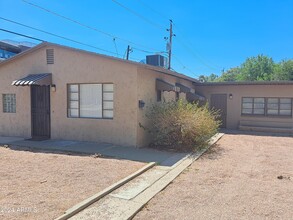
9 103
267 106
90 100
253 106
279 106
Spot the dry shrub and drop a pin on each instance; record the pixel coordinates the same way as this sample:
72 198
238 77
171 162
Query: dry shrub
181 125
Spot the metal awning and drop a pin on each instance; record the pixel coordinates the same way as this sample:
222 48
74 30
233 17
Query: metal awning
164 86
194 97
41 79
183 88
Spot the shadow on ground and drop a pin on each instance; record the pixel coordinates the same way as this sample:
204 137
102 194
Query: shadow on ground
215 152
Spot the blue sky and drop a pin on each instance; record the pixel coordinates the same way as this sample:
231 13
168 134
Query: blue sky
210 35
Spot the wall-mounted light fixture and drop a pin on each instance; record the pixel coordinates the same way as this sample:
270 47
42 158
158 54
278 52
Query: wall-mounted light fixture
53 88
141 104
230 96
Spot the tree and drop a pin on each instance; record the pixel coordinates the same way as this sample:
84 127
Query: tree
230 75
211 78
283 70
257 69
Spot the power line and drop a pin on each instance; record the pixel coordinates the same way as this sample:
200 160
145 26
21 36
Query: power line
139 15
191 51
150 52
157 12
55 35
85 25
195 55
184 67
23 35
185 46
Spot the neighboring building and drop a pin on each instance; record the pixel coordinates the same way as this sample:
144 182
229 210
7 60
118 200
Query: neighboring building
256 106
9 49
58 92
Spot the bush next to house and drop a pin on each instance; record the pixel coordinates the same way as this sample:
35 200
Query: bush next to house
180 125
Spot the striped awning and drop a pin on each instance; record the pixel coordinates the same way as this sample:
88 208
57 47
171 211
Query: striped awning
41 79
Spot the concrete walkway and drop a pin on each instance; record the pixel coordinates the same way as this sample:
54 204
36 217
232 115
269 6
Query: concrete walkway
105 149
125 201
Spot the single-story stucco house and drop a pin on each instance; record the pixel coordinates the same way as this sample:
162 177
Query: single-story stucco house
58 92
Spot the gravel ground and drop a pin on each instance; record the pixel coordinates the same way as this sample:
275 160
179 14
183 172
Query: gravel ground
40 185
242 177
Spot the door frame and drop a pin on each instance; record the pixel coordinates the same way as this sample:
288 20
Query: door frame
48 92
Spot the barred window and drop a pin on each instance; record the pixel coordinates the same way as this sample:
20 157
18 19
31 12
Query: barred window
90 100
9 103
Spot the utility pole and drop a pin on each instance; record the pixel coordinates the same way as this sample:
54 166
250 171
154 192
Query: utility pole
128 51
170 43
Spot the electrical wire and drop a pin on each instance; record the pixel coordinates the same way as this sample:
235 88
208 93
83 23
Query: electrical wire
86 26
192 52
23 35
184 45
195 55
55 35
185 67
140 16
102 32
157 12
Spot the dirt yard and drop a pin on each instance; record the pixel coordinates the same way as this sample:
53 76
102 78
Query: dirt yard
242 177
39 185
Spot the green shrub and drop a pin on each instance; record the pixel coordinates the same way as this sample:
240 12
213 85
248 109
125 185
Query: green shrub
181 125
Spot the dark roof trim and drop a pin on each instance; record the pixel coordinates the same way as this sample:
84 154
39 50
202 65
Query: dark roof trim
41 79
244 83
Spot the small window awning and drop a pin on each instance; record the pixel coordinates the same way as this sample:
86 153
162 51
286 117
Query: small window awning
41 79
164 86
194 97
183 88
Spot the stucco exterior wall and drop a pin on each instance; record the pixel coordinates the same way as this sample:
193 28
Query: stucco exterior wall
78 67
146 90
238 91
19 123
72 66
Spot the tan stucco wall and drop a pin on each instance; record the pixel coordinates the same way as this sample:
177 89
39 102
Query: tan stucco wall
238 91
19 123
73 66
79 67
146 88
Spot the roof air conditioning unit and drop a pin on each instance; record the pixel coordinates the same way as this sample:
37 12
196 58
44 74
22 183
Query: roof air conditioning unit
157 60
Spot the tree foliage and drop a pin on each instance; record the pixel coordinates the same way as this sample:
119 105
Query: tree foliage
259 68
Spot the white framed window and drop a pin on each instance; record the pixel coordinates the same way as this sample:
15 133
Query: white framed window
91 100
253 106
279 106
9 103
267 106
